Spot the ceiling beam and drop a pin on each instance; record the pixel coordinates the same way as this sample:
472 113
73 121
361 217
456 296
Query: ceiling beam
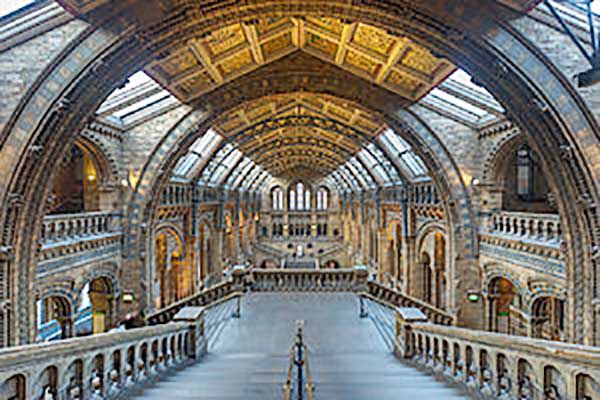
251 34
203 56
398 51
299 36
347 34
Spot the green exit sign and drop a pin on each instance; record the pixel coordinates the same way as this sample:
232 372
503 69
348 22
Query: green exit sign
473 297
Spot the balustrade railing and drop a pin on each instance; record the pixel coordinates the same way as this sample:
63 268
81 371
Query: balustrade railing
497 366
393 298
103 366
64 227
274 280
538 227
220 292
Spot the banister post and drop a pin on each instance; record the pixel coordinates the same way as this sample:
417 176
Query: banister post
194 317
238 274
360 278
404 346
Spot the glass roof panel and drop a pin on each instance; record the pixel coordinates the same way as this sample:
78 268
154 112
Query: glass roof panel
250 178
455 101
239 172
138 79
462 77
412 165
224 166
188 165
360 170
139 105
340 180
10 6
352 178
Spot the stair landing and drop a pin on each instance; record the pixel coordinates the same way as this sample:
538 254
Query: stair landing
348 357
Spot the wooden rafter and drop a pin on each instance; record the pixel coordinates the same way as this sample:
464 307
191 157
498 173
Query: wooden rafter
203 56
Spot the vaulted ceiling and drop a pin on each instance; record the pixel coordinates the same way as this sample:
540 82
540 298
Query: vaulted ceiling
300 131
288 133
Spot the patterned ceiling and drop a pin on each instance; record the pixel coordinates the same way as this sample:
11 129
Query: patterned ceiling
396 63
290 134
308 133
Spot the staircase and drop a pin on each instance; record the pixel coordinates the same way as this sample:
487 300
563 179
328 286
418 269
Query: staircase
349 358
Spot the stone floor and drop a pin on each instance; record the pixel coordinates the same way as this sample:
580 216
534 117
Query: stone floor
348 358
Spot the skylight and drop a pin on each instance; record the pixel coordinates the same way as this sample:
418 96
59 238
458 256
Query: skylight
10 6
135 80
455 101
461 76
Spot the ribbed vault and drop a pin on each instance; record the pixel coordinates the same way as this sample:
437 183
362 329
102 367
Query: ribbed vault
475 37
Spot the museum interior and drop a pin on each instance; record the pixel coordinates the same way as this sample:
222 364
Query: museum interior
283 199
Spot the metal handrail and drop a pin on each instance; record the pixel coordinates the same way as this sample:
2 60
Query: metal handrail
309 386
299 360
289 383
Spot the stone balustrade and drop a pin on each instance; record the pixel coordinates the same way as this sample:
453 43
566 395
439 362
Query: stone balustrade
103 366
537 227
222 291
74 227
393 298
496 366
309 280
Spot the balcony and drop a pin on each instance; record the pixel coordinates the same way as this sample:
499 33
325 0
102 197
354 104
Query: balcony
527 240
67 235
74 227
535 228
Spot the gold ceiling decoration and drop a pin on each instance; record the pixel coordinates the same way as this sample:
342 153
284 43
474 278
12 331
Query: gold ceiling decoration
395 62
292 148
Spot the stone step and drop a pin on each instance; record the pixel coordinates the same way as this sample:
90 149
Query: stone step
349 357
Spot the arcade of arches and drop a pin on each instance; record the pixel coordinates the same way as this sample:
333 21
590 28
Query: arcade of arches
148 148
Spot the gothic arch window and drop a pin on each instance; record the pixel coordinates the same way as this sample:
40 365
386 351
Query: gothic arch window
277 199
524 166
322 199
299 197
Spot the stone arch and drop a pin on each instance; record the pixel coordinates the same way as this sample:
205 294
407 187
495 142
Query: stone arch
534 92
268 263
500 173
495 271
538 289
439 261
64 288
445 173
331 264
60 308
105 270
83 180
162 274
496 154
108 170
175 231
15 387
208 251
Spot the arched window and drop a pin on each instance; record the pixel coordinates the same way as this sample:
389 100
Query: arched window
307 200
277 199
524 172
292 204
299 197
322 199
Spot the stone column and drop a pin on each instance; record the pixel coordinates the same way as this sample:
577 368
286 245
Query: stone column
470 314
382 253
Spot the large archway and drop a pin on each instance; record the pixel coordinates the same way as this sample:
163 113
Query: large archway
492 57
